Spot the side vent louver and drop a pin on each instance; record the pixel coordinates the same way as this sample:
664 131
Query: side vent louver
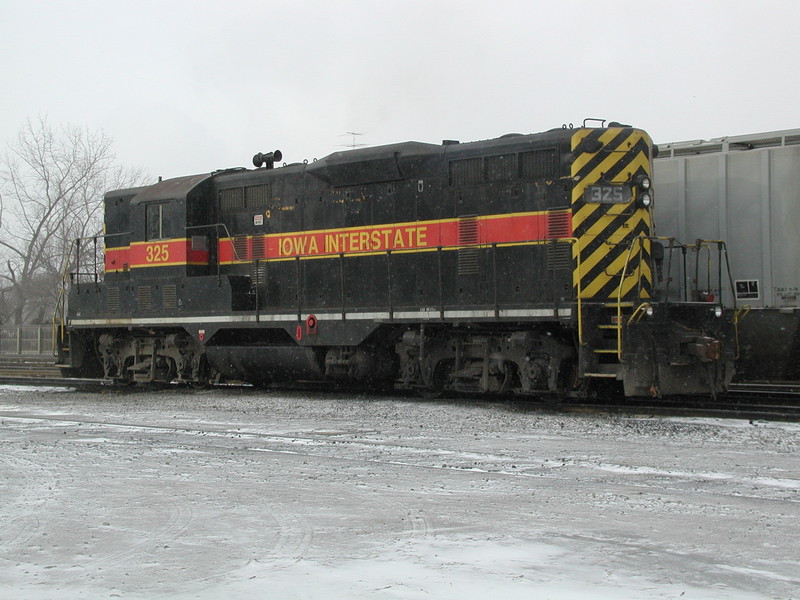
558 224
258 275
170 296
468 234
144 297
258 247
112 299
240 247
559 254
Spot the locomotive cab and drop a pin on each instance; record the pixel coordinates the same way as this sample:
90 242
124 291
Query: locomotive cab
170 226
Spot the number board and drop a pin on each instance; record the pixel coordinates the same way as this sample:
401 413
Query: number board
608 194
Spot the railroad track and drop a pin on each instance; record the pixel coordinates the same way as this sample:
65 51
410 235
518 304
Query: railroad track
42 372
749 407
782 388
777 401
34 367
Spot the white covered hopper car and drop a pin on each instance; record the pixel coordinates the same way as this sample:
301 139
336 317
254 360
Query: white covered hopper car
744 190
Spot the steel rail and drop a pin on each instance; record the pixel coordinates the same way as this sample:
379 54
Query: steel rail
742 403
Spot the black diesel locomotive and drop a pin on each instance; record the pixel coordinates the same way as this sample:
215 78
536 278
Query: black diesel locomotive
524 264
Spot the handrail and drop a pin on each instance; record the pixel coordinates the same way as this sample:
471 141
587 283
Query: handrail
579 291
438 249
227 236
699 244
61 302
738 315
58 320
637 314
638 238
722 248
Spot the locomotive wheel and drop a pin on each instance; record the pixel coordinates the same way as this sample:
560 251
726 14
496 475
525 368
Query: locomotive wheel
430 393
436 387
261 382
71 373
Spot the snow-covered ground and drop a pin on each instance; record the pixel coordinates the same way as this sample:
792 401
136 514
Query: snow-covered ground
245 494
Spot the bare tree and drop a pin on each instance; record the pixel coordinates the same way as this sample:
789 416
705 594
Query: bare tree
52 183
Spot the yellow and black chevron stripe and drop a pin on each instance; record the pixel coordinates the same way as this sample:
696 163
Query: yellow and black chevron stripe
605 232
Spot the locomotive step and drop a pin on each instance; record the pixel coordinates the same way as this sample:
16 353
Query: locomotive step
605 375
608 371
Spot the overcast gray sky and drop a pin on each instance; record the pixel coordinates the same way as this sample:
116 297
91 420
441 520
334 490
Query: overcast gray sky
191 86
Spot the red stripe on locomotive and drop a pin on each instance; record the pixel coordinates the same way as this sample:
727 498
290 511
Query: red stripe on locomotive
496 229
162 253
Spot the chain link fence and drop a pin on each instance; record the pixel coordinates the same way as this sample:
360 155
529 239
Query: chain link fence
34 340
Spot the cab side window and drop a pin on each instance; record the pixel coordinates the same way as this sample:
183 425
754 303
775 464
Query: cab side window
155 224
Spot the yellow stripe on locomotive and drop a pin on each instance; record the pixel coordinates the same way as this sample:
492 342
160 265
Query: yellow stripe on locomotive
611 217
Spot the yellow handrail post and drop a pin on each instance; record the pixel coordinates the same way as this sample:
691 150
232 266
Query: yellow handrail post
59 313
623 274
574 242
738 316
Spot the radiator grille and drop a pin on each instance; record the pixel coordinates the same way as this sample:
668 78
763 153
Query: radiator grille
467 171
538 164
231 199
244 198
257 196
501 168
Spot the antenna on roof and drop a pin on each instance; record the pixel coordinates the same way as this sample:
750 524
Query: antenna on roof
353 143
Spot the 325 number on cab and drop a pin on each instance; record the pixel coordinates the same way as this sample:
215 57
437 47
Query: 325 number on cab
157 253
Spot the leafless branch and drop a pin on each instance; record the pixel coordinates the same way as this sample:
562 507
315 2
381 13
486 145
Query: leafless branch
52 183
